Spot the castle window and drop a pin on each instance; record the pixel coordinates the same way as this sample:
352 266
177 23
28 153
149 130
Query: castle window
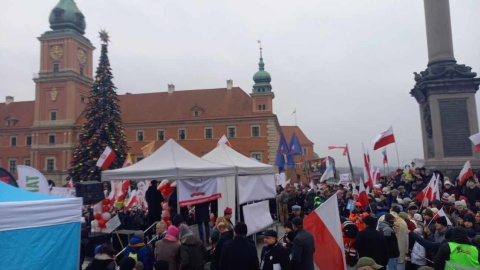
81 70
232 132
140 136
50 164
28 140
182 134
209 133
196 113
13 141
26 162
255 131
55 67
51 139
12 165
160 135
53 115
257 156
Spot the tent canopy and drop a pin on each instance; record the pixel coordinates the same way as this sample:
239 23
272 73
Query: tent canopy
225 155
169 161
47 227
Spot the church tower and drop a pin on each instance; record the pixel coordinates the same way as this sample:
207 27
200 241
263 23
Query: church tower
62 88
262 94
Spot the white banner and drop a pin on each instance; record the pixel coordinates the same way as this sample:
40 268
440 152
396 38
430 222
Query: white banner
256 188
344 179
198 190
62 192
32 180
257 216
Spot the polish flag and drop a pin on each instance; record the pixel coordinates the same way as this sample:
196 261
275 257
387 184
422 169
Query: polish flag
385 160
465 173
345 149
224 140
385 138
366 169
362 194
475 138
429 193
441 213
131 200
324 225
106 158
376 174
70 183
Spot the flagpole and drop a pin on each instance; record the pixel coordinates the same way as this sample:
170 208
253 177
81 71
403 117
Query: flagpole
349 161
398 159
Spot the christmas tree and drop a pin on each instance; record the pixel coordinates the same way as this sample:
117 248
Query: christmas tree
103 126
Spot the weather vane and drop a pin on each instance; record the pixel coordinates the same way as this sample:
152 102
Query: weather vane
104 37
260 43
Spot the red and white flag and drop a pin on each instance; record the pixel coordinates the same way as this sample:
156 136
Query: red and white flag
441 213
385 159
345 149
465 173
362 194
367 174
324 225
475 138
131 200
224 140
429 193
106 158
385 138
376 174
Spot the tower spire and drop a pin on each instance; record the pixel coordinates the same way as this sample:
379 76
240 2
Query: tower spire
261 65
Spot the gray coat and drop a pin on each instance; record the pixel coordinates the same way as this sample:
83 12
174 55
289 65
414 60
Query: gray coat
302 250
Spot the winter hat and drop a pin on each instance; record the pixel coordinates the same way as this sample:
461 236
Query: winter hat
370 221
417 217
460 203
296 208
97 249
469 218
447 182
386 190
407 201
288 224
451 199
271 233
428 212
140 234
173 231
177 220
400 201
463 198
434 210
367 261
401 187
403 215
442 221
471 233
228 211
185 231
445 197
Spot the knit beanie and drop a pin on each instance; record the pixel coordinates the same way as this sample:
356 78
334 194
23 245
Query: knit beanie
428 212
172 231
460 203
417 217
442 221
434 210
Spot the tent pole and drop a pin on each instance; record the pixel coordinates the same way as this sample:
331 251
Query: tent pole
237 198
178 198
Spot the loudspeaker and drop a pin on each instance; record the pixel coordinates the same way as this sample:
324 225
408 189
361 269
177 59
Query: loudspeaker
91 191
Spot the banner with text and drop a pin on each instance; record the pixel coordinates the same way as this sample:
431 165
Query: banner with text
198 190
32 180
62 192
345 178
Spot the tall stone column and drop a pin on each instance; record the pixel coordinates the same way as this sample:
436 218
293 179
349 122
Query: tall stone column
445 92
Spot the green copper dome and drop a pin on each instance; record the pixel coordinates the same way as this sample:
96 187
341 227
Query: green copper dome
262 78
66 15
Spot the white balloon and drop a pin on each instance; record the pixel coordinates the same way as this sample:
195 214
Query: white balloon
94 225
97 208
106 216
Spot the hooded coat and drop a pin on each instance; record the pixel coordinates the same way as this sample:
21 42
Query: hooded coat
192 251
144 255
392 244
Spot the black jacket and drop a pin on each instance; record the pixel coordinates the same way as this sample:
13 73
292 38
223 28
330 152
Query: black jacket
302 250
202 212
239 254
371 243
472 195
392 243
459 235
224 238
154 198
275 254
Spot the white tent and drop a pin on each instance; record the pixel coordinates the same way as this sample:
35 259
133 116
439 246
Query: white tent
38 231
170 161
255 179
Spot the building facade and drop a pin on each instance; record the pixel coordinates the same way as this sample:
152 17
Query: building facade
43 133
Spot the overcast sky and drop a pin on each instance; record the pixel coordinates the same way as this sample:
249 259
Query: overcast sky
345 66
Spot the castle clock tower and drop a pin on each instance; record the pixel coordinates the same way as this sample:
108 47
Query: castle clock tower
61 88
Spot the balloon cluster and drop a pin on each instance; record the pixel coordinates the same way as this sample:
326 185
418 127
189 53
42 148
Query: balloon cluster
166 188
101 213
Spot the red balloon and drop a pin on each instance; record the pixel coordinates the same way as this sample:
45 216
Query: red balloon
106 208
106 201
98 216
101 223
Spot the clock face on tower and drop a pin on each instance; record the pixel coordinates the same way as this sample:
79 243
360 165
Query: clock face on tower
56 52
82 56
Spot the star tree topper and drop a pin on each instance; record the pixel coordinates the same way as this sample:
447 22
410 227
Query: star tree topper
104 37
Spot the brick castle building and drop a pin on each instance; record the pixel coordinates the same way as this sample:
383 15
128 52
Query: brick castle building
43 133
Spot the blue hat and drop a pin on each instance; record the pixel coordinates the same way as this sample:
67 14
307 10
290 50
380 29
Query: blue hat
296 207
97 249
